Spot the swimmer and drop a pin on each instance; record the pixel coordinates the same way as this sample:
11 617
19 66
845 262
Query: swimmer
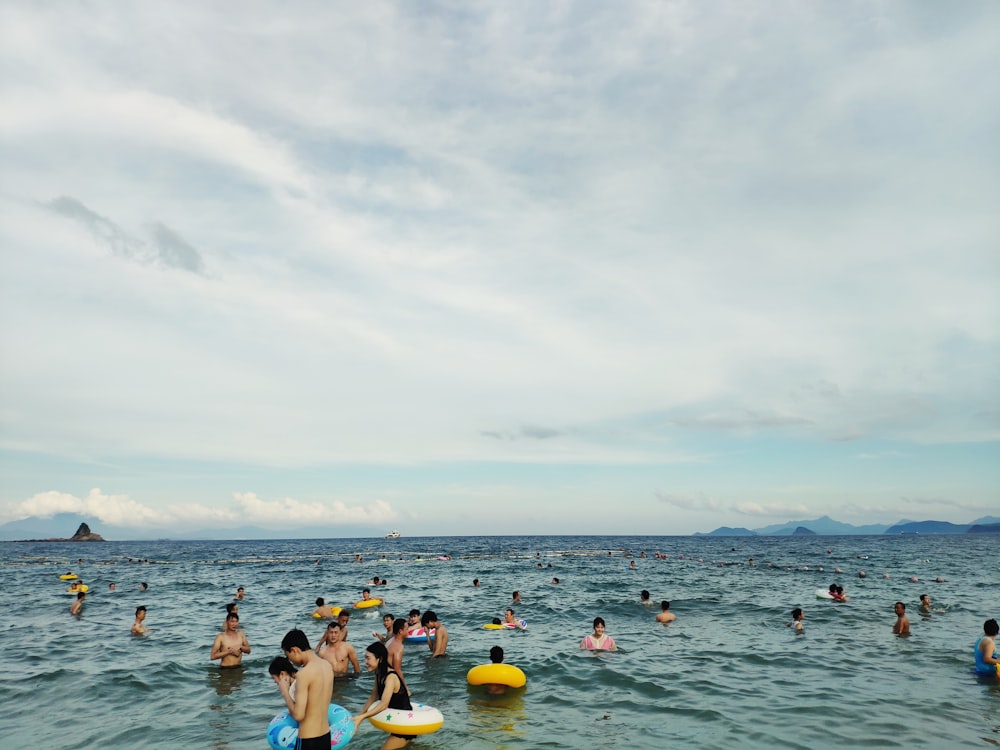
496 657
644 599
389 691
599 641
925 604
143 586
366 595
230 645
413 621
902 625
631 565
475 583
140 615
77 607
515 597
111 587
387 620
231 608
337 652
987 657
438 643
342 620
239 593
797 617
666 616
555 581
323 610
510 621
310 705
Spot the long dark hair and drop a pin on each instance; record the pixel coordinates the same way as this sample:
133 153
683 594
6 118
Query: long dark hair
378 650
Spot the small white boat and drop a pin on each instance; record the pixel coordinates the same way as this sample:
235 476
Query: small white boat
392 535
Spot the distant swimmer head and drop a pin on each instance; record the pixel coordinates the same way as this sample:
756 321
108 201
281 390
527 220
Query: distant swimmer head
861 574
496 655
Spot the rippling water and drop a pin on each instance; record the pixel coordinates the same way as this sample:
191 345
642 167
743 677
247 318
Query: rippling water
727 673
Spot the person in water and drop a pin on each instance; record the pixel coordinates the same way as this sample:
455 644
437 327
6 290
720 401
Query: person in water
599 641
496 657
310 704
340 654
323 610
387 620
77 607
438 643
231 644
140 615
797 617
666 616
510 621
902 625
282 665
644 599
987 657
389 691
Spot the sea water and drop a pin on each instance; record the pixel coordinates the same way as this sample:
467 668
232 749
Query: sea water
727 673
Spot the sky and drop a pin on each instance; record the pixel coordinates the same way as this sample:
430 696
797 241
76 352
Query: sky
497 268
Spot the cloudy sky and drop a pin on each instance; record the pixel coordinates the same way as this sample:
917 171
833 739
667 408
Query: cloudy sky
483 268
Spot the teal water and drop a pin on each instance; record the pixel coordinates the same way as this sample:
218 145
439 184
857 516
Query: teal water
727 673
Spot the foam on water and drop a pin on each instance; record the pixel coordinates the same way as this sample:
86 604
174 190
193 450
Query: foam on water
727 673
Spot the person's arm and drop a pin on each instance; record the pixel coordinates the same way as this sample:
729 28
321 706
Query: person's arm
353 656
391 686
245 645
217 651
320 644
987 647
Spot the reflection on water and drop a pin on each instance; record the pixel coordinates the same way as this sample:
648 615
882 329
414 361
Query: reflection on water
496 716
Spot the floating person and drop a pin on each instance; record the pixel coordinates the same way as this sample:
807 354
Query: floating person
515 597
413 621
797 617
240 593
496 676
111 587
987 658
666 616
77 607
902 625
437 643
599 640
509 621
143 586
140 616
555 581
310 705
644 599
323 610
475 583
231 644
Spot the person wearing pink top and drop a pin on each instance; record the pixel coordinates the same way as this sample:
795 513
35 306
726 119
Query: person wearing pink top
599 641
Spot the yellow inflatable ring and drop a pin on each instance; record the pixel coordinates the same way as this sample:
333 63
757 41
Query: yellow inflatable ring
335 610
366 603
497 674
68 577
421 719
76 588
491 626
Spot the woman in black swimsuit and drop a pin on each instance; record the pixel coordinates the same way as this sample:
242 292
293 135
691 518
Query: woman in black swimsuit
389 692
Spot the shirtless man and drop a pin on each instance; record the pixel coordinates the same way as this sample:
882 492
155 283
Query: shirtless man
342 620
231 644
338 653
394 647
902 624
76 607
137 627
510 621
387 620
439 643
313 691
665 616
323 610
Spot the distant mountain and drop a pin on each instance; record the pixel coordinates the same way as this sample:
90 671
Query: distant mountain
728 531
985 520
984 528
803 531
821 525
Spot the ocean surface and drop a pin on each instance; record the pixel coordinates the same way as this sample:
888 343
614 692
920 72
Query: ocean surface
727 673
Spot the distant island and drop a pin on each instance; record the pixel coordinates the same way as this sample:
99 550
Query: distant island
828 527
83 534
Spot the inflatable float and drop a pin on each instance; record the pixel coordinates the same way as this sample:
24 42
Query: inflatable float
419 635
421 719
283 731
496 674
366 603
